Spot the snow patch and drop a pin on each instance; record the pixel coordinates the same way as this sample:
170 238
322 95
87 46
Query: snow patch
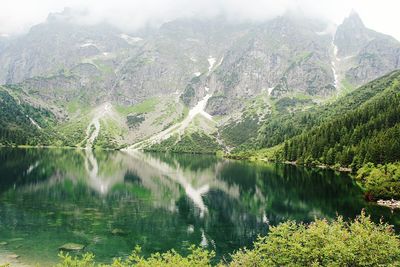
129 39
335 82
178 128
91 136
88 43
35 123
193 59
333 64
199 109
335 52
207 89
211 63
270 90
197 74
220 62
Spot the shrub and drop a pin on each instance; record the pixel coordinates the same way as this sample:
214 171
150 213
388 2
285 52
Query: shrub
359 243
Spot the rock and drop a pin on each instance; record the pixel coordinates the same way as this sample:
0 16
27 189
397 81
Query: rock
72 247
16 239
3 243
393 204
117 231
13 256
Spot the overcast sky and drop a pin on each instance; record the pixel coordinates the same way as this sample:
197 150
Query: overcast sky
17 16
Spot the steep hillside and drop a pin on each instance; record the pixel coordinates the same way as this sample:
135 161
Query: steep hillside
367 133
283 126
24 123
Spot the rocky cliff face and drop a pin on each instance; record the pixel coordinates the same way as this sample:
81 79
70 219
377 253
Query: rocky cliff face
366 54
282 56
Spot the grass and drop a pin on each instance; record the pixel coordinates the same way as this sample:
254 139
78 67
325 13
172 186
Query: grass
347 87
75 105
103 67
168 112
146 106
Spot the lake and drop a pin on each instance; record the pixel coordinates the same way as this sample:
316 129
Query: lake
111 201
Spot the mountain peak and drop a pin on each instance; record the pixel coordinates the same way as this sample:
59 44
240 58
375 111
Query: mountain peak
353 20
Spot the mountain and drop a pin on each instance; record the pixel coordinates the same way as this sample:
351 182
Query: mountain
186 83
366 53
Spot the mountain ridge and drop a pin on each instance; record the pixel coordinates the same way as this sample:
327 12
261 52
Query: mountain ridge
249 70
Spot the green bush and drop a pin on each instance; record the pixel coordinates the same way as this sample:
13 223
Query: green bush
360 243
198 257
380 181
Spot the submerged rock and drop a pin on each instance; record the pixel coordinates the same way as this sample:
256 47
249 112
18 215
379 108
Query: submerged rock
3 243
393 204
72 247
16 239
117 231
13 256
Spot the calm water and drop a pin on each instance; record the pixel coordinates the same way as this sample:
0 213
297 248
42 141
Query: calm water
50 197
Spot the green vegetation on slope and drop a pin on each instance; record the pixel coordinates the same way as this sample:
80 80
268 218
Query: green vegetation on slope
17 124
369 133
195 142
147 105
321 243
283 126
243 132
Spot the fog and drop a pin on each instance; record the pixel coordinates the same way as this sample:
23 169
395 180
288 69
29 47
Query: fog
17 16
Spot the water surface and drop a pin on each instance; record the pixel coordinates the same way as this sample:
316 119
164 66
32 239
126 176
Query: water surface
112 201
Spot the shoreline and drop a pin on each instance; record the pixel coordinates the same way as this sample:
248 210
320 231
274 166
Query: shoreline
392 204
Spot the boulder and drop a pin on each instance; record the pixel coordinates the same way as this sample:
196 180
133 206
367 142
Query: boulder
71 247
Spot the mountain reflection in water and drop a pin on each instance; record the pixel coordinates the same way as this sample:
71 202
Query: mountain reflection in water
111 201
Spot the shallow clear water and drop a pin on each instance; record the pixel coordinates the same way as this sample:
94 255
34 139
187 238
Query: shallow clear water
112 201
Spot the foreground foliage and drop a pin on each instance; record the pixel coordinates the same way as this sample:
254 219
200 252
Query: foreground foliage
321 243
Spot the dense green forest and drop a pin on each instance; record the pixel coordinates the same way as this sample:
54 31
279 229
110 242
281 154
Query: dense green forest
17 122
321 243
282 126
368 133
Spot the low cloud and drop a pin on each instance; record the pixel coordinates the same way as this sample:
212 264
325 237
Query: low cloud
19 15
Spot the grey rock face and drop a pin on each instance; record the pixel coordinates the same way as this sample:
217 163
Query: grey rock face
285 55
365 53
352 35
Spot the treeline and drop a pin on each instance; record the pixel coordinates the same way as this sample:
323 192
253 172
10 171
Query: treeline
370 133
